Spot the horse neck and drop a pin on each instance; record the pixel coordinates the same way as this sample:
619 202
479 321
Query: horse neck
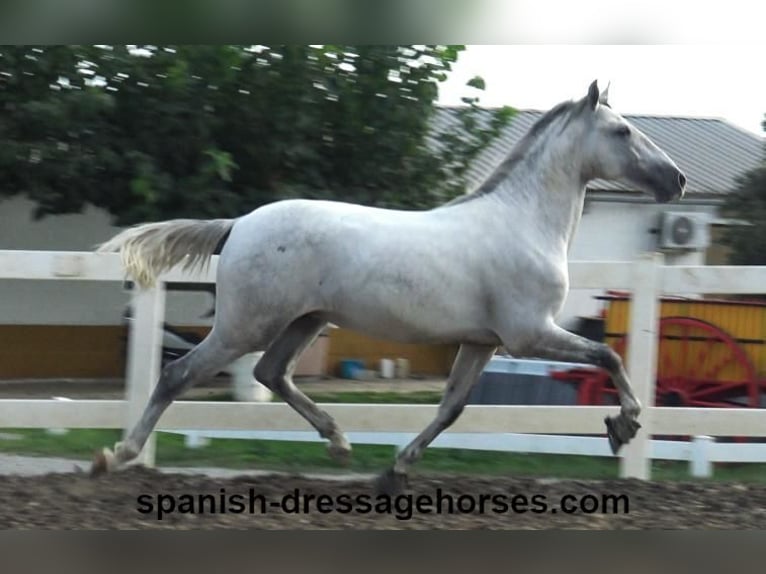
546 188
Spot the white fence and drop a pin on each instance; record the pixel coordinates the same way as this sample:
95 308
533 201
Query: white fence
648 278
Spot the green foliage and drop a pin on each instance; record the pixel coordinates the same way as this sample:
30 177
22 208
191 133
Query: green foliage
748 204
216 131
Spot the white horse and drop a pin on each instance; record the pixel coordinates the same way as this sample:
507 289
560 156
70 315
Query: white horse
486 270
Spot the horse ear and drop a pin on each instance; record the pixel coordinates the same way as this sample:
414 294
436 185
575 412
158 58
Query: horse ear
593 95
604 97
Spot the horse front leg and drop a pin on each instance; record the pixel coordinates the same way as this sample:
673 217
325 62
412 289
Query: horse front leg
557 344
468 365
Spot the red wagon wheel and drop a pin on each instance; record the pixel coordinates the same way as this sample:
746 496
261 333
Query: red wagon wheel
698 365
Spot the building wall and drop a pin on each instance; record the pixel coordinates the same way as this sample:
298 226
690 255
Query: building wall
423 359
611 231
98 352
72 302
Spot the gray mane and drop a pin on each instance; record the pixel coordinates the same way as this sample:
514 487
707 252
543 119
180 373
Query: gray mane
519 151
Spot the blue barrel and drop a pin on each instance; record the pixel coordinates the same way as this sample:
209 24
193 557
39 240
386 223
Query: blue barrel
349 367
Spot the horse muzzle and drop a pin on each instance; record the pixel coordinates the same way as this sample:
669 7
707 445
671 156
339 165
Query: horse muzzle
671 186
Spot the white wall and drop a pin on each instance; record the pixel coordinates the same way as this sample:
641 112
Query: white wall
611 231
72 303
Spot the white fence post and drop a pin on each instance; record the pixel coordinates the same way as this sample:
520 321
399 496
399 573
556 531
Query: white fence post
642 360
144 358
700 463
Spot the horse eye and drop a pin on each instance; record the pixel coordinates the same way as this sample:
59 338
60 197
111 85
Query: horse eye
622 131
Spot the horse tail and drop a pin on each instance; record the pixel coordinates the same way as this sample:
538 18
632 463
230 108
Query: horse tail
151 248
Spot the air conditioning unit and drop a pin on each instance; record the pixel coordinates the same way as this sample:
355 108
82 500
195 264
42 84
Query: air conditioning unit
684 231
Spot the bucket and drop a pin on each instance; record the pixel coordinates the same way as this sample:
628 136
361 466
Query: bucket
387 367
349 367
402 368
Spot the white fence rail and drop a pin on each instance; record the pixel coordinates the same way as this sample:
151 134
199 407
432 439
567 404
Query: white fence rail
648 278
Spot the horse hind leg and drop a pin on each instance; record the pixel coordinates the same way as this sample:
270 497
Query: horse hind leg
468 365
202 362
275 370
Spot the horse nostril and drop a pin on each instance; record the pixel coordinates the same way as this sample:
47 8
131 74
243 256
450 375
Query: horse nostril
682 180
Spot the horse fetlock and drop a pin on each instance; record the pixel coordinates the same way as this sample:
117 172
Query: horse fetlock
329 429
340 450
631 408
406 458
103 461
125 451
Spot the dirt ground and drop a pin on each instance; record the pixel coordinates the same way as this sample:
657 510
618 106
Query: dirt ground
131 499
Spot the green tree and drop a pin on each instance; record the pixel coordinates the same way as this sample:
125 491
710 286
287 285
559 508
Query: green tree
207 131
748 204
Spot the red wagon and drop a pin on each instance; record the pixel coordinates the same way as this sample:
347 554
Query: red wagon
712 353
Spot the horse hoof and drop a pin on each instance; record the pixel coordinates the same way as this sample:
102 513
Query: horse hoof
391 483
339 453
103 462
615 443
620 430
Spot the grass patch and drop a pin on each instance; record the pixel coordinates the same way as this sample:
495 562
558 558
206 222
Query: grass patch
306 457
311 457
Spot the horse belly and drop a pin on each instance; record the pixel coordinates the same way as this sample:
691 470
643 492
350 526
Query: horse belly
410 320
